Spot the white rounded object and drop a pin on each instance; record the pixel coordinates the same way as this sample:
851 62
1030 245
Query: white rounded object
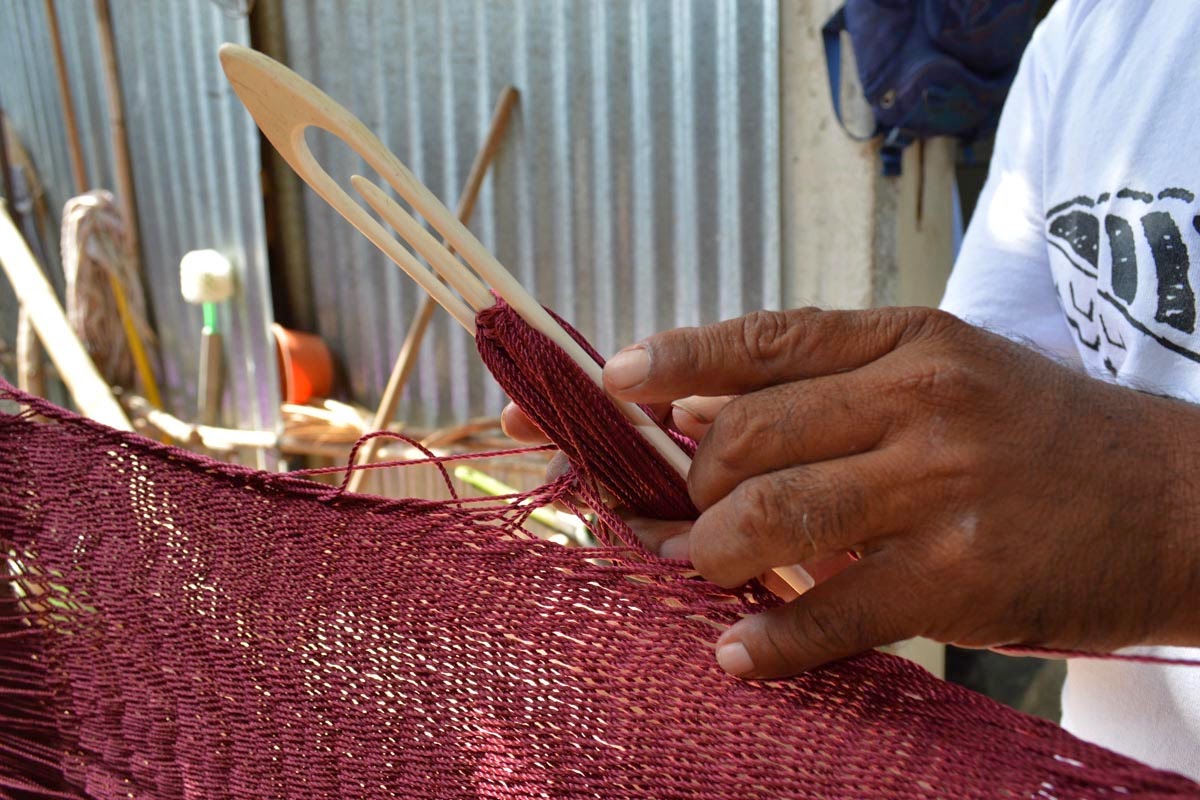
205 276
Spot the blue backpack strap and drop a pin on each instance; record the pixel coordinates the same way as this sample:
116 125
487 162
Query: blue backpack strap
831 32
891 153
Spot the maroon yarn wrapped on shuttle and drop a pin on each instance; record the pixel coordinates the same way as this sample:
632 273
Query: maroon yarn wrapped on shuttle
598 440
175 627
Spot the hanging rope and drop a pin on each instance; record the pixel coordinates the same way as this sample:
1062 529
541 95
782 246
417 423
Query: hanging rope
100 280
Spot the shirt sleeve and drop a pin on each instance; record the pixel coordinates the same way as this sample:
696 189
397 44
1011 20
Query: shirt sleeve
1002 279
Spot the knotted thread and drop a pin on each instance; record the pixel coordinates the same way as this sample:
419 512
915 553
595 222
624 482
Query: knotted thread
559 397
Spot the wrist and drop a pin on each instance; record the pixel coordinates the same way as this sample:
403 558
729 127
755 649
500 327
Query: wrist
1177 431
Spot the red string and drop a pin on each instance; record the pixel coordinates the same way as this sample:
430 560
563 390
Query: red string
446 458
1051 652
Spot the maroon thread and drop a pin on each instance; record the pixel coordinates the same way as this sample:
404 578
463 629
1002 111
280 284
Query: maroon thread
558 396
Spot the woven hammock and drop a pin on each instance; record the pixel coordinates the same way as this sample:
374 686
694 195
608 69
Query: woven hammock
176 627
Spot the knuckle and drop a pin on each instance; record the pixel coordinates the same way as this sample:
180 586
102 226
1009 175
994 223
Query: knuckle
727 548
671 350
759 509
827 514
820 627
700 347
736 433
940 383
764 334
747 438
929 322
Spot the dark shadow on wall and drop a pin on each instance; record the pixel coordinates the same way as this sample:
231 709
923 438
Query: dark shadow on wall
1032 685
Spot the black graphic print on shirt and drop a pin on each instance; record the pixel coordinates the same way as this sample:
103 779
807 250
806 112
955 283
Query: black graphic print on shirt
1129 270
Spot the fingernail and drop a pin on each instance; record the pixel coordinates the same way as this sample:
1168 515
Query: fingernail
691 412
508 409
734 658
677 548
796 577
627 368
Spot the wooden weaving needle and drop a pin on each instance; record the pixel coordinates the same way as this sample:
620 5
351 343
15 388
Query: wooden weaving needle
285 105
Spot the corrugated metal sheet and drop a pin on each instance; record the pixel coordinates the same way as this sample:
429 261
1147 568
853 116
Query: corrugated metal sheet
196 169
637 189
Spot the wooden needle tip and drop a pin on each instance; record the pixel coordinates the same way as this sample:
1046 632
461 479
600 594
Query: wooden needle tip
230 54
376 198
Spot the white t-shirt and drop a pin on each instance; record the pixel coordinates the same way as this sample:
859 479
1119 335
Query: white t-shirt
1086 241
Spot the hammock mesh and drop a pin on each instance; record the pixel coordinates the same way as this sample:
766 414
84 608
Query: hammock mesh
175 627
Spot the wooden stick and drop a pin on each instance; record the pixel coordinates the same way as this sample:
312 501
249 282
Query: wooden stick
141 361
28 349
126 195
406 361
5 166
30 377
19 157
116 116
218 440
28 355
92 395
74 147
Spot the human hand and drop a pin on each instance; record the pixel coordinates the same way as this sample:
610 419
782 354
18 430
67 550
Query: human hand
995 496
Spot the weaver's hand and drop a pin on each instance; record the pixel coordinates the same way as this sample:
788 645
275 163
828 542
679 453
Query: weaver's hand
995 496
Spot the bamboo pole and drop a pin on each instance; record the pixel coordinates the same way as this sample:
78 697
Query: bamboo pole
74 147
30 377
116 120
126 196
211 437
92 395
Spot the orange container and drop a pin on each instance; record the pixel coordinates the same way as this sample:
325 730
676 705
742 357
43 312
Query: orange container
305 364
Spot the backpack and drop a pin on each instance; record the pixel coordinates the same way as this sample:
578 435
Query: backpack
930 67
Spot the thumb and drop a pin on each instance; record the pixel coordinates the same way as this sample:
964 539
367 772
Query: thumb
845 615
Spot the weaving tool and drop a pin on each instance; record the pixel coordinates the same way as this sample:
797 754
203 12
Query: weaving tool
285 105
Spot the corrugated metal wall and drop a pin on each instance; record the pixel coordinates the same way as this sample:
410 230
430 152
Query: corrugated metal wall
638 187
196 168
